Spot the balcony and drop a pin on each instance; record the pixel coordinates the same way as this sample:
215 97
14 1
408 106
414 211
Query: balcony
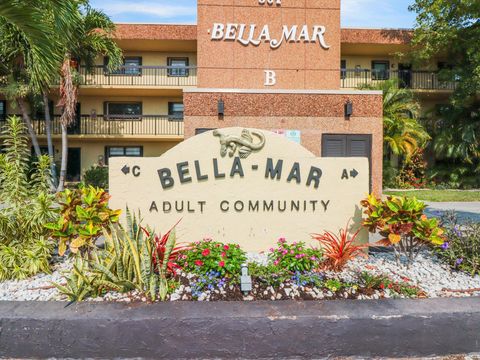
139 76
104 125
410 79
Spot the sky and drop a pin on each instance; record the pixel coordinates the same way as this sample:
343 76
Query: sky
355 13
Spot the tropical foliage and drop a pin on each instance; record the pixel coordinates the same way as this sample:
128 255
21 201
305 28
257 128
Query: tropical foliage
455 130
93 38
403 134
96 176
128 262
413 172
25 206
403 224
42 42
448 29
339 249
84 213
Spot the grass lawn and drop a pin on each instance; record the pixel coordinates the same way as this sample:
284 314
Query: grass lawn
439 195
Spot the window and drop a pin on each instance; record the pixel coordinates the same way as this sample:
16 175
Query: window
119 111
131 66
177 66
175 110
3 110
343 69
380 70
129 151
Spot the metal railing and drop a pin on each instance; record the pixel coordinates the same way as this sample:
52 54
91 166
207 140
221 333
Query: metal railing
117 125
139 76
411 79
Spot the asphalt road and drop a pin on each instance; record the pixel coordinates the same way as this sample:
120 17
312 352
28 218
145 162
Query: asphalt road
464 210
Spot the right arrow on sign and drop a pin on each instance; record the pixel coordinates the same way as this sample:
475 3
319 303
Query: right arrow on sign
354 173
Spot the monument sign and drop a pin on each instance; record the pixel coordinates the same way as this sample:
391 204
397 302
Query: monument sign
240 185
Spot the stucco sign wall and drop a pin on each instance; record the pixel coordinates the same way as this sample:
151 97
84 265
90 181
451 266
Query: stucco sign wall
240 185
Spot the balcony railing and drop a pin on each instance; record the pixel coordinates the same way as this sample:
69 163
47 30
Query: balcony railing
115 125
139 76
411 79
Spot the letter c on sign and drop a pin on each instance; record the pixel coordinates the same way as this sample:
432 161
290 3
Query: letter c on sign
270 78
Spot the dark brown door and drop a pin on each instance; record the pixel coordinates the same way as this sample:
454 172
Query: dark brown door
74 165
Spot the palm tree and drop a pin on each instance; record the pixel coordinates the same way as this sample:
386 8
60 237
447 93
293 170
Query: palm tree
93 38
403 134
31 37
457 132
26 20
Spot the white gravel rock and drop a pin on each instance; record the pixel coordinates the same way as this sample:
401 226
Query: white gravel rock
427 272
38 288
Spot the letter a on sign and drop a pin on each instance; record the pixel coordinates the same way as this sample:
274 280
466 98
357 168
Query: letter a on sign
270 78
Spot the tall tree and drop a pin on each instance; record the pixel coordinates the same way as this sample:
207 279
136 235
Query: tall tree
93 38
31 36
450 29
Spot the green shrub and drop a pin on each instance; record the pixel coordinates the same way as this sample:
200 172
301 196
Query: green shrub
390 174
209 256
269 274
25 205
462 248
295 257
412 173
84 214
402 222
380 282
96 176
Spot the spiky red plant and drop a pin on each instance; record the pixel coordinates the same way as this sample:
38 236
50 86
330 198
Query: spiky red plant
160 243
339 249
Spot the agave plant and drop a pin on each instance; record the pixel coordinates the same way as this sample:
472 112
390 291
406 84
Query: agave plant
80 282
131 259
339 249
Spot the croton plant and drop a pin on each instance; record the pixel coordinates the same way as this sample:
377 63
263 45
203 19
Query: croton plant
403 224
84 213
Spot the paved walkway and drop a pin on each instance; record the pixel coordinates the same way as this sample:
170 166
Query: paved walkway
465 210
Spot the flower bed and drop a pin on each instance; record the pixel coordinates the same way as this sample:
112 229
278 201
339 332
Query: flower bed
428 277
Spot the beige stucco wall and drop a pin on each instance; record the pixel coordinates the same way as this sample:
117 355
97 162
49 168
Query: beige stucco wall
150 105
156 58
91 150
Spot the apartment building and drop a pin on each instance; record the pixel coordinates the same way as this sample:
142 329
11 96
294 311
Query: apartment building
138 110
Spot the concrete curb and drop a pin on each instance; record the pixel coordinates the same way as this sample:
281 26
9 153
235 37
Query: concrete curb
393 328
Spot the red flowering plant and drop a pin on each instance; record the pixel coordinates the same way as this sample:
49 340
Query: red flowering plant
209 256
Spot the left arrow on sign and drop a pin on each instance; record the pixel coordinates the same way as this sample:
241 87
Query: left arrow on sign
126 170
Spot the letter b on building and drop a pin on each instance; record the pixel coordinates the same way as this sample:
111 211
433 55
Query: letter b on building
270 78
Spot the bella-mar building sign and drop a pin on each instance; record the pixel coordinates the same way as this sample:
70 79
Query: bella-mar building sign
246 186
